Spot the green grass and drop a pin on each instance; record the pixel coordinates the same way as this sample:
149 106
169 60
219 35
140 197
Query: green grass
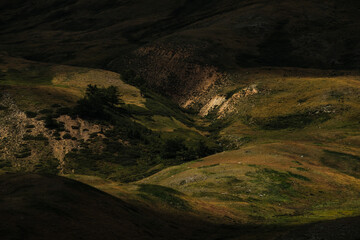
218 196
277 184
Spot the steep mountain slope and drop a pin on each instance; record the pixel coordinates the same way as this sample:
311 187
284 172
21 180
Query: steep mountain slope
184 47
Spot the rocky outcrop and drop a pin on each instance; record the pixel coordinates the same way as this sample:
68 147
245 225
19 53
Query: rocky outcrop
222 107
24 141
230 105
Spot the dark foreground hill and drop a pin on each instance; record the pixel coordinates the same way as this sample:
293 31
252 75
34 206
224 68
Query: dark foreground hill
36 206
340 229
50 207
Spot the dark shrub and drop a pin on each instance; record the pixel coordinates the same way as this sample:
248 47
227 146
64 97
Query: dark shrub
45 111
30 114
51 123
67 136
55 105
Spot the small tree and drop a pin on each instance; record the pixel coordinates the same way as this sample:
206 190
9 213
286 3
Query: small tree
106 96
98 102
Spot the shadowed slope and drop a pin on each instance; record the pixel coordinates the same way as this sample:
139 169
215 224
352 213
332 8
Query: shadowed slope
48 207
340 229
37 207
241 32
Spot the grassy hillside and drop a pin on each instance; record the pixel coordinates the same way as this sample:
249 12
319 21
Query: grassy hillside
43 131
284 182
290 134
292 147
290 137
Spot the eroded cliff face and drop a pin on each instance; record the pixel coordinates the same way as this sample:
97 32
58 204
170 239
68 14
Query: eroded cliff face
179 73
221 106
176 71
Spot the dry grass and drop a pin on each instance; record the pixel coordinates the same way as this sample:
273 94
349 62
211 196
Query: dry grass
79 78
65 79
